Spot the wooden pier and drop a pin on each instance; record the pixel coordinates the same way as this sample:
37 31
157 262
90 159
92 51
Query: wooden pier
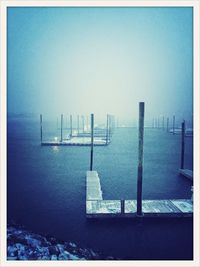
97 207
76 141
71 137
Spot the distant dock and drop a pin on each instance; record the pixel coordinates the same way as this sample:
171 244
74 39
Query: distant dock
99 135
97 207
76 141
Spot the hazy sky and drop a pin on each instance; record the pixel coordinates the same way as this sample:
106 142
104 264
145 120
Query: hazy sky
101 60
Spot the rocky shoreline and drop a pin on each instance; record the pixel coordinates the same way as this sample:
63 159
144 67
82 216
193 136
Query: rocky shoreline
25 245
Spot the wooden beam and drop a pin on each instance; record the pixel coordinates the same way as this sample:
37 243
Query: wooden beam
140 159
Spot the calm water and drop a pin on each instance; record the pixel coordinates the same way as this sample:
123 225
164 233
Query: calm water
46 190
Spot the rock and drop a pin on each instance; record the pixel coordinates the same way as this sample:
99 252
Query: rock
54 257
24 245
72 244
63 256
53 250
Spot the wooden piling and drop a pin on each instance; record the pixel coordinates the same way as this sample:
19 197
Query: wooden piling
83 123
122 206
78 124
173 124
87 122
153 123
107 129
140 159
92 142
182 144
163 123
61 128
41 137
70 125
167 125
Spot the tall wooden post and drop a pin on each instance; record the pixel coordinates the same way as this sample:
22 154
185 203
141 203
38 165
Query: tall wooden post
182 144
107 129
92 142
163 123
78 124
61 128
167 124
174 124
71 125
158 122
83 123
140 159
41 128
87 123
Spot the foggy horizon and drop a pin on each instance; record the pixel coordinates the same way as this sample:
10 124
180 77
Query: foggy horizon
100 60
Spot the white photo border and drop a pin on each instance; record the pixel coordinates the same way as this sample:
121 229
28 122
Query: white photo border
4 4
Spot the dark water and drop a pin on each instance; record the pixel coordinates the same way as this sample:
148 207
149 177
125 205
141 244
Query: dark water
46 190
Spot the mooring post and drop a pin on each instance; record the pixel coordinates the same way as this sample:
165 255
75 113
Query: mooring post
163 123
107 125
174 124
70 125
61 128
66 122
78 124
122 206
140 159
92 142
87 123
182 144
41 128
57 124
167 125
109 128
83 123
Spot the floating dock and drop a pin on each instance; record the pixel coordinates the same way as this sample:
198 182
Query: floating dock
97 207
76 141
186 173
188 132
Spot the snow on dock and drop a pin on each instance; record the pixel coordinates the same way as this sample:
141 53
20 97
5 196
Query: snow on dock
97 207
187 173
93 186
76 141
188 131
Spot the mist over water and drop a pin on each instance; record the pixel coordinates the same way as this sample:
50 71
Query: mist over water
100 60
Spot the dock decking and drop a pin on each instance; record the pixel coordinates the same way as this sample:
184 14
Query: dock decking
97 207
76 141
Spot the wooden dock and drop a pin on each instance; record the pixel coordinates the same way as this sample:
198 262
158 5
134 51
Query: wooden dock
76 141
186 173
97 207
93 186
188 132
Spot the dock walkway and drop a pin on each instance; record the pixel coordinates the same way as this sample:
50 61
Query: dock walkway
76 141
97 207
